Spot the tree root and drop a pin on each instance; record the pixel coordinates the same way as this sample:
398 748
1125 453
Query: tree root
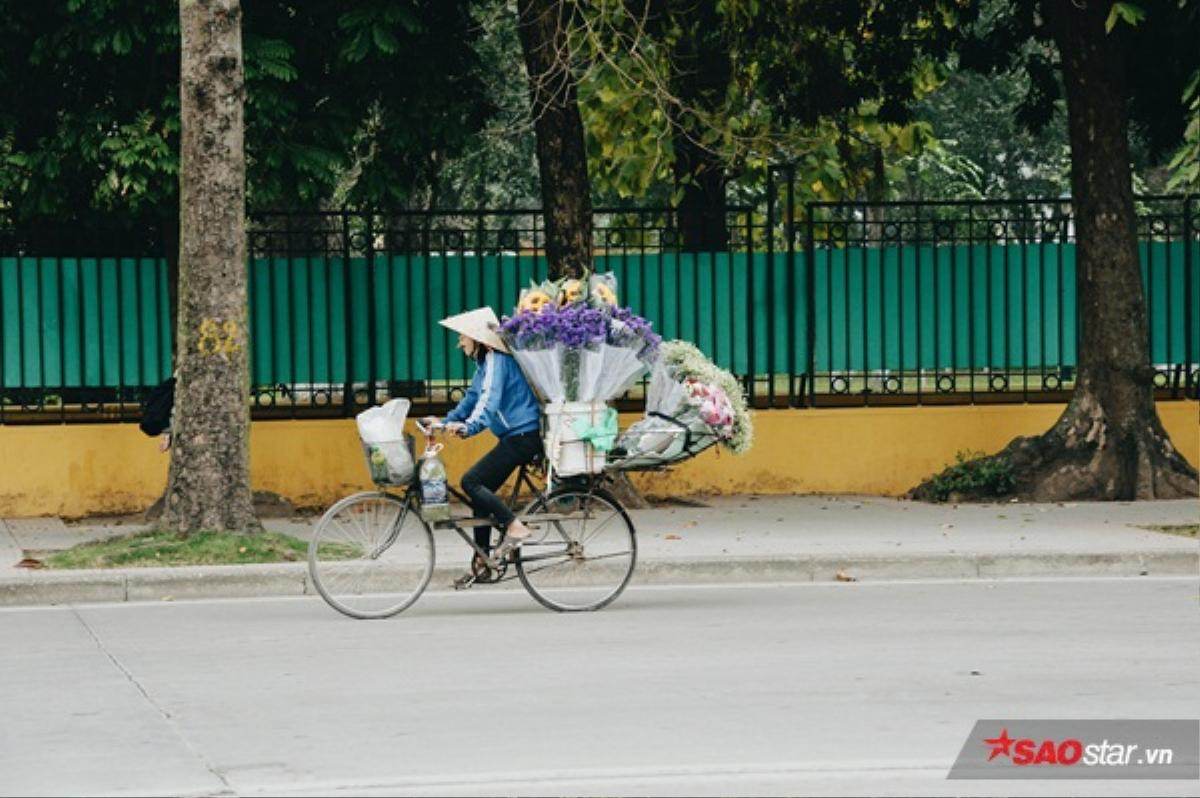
266 505
1086 457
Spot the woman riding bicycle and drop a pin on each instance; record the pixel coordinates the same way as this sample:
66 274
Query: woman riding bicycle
501 400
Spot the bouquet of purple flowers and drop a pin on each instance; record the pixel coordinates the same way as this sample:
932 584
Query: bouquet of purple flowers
574 350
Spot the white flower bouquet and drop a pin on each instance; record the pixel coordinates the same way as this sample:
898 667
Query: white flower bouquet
691 404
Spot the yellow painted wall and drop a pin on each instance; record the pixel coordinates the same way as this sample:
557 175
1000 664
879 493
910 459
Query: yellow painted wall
73 471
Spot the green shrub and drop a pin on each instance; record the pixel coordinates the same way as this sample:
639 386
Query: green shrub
973 474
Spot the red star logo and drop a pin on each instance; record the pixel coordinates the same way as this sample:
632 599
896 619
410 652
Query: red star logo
1000 745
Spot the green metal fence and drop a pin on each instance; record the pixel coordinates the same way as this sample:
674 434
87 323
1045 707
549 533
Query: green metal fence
103 322
79 322
831 300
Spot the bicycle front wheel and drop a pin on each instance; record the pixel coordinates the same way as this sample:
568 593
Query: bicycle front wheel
582 556
371 555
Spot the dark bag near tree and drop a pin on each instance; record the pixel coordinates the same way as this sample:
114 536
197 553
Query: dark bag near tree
157 416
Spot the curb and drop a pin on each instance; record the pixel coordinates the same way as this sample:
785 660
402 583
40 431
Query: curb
291 579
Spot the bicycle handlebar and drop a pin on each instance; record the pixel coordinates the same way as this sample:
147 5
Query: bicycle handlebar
429 430
432 430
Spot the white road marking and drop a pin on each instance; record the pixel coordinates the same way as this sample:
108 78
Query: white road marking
504 782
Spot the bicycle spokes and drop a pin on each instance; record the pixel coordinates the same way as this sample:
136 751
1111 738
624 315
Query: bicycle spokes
584 555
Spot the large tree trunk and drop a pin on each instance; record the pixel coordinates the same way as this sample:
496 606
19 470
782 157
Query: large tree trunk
700 76
1109 443
700 173
170 242
562 160
209 482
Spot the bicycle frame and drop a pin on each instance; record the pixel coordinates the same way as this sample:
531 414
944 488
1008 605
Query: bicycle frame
461 525
523 479
563 510
412 498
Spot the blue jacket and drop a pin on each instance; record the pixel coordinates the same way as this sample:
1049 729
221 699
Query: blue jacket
499 398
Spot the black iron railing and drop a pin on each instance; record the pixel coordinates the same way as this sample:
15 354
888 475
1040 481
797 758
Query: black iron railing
815 304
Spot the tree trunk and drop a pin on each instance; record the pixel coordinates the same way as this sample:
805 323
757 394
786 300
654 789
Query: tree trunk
209 482
1109 443
170 242
700 76
701 175
562 161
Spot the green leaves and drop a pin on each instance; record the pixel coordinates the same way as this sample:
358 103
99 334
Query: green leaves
138 159
385 40
627 137
824 84
974 475
344 96
1184 166
378 25
982 147
1131 13
268 58
121 42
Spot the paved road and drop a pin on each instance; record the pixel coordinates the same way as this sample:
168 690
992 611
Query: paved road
725 689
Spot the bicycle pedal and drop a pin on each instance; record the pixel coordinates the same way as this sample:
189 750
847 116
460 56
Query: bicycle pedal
464 582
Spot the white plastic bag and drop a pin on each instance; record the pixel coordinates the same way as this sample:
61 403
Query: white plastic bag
382 432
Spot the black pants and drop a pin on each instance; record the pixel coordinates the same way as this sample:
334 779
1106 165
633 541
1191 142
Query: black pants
486 476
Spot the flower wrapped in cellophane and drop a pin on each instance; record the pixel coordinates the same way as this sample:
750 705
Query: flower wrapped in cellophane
576 346
691 404
532 338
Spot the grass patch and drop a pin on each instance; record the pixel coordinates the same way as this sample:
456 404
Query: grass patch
1183 530
155 548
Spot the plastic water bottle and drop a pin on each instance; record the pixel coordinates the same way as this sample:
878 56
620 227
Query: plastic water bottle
378 465
435 494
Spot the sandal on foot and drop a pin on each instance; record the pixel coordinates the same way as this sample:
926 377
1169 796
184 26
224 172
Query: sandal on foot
507 547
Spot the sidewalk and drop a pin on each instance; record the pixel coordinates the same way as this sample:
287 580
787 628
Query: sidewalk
720 539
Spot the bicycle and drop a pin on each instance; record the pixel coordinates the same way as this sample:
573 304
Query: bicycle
372 554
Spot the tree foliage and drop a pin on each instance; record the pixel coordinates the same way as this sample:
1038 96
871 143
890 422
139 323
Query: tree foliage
1185 165
866 100
1157 39
348 101
84 109
497 167
806 84
979 148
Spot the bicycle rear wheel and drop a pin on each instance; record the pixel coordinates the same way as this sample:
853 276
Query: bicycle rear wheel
371 555
582 559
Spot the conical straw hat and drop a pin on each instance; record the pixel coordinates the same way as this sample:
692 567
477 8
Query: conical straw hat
478 324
